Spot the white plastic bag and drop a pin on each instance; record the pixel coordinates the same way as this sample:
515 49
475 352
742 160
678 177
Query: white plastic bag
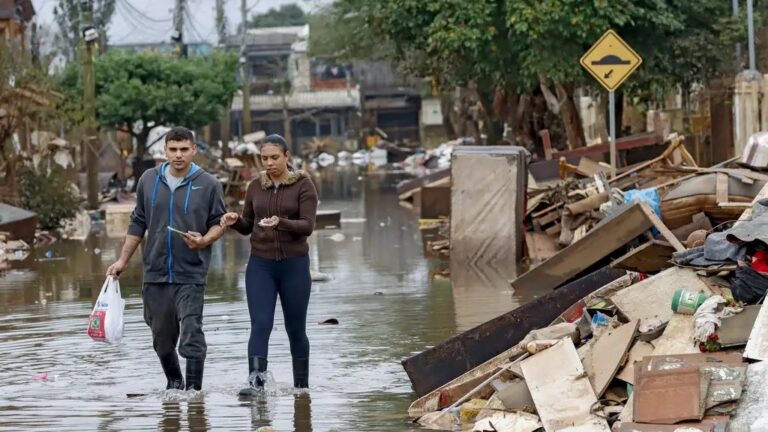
106 321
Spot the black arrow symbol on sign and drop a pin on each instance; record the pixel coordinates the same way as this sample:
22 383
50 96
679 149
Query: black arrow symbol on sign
608 74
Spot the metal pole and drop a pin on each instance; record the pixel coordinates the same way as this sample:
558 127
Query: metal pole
612 123
244 73
751 30
735 4
90 137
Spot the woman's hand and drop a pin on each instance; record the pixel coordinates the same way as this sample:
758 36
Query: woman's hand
270 223
229 219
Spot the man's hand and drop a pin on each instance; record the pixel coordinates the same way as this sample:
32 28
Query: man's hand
270 223
229 219
194 240
116 268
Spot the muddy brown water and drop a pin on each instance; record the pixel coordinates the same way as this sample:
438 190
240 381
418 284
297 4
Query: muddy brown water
53 377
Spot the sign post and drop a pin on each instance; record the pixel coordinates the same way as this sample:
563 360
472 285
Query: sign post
611 61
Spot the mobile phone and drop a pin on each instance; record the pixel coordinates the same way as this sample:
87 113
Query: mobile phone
172 229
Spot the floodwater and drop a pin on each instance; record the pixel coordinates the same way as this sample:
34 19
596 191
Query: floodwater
53 377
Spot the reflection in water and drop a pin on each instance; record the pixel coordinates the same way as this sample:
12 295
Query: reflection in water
52 377
302 412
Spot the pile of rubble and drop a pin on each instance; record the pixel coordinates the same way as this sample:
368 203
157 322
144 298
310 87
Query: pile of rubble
651 317
12 250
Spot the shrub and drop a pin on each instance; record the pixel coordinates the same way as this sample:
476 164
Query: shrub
53 197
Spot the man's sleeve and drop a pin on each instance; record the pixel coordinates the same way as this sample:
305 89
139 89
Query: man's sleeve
138 224
218 208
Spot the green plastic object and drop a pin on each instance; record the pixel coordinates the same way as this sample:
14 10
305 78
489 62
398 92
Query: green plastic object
686 302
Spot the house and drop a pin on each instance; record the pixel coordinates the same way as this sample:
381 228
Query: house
318 99
15 15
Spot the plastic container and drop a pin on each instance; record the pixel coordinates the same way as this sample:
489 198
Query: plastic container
686 302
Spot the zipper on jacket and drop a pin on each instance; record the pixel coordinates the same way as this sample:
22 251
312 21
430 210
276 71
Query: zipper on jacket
277 241
170 239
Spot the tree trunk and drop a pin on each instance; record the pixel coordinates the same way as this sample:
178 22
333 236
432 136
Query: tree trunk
138 162
494 129
570 115
446 107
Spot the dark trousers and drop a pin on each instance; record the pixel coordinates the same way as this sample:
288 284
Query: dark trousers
174 312
264 281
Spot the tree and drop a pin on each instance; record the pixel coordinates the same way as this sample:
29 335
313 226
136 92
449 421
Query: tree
68 13
287 15
682 43
140 91
25 95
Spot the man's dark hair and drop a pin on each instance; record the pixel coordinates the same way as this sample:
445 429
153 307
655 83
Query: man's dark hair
276 140
179 133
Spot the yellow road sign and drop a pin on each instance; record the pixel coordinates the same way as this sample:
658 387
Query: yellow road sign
611 60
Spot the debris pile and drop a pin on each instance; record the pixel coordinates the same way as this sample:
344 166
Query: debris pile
651 320
12 250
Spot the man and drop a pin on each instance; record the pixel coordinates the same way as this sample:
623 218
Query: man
178 195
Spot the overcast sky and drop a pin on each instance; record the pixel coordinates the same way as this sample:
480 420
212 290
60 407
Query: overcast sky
128 25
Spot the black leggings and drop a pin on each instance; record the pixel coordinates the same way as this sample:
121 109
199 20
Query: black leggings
264 280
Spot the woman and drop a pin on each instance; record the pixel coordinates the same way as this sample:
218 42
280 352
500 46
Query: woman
279 214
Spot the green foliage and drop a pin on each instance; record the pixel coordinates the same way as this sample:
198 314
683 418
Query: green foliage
680 42
52 197
157 89
287 15
342 31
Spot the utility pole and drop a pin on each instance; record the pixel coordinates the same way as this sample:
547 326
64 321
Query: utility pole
751 34
178 26
90 136
221 29
244 72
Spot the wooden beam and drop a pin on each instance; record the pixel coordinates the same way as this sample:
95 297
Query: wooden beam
721 188
651 257
610 235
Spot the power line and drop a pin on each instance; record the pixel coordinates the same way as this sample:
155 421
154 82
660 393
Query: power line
135 22
143 15
192 26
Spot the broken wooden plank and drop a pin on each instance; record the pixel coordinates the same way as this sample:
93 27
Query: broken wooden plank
605 238
651 257
665 232
541 247
590 167
554 229
742 205
561 391
735 330
548 218
442 363
602 361
651 298
639 350
670 396
721 188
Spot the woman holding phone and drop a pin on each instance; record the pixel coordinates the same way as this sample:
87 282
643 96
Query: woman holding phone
279 215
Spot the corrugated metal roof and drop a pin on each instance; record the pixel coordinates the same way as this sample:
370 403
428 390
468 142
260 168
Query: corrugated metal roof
303 100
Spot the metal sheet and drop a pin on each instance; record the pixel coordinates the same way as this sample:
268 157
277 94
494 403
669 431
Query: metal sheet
446 361
488 189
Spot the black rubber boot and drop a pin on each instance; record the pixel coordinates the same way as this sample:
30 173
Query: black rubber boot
195 374
301 373
170 364
256 368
